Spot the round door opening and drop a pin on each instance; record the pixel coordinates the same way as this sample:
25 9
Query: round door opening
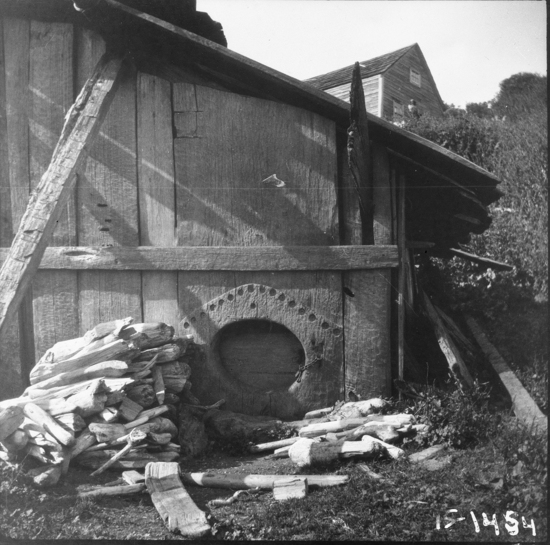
260 353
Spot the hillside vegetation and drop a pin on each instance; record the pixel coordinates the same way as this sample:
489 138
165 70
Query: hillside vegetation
508 137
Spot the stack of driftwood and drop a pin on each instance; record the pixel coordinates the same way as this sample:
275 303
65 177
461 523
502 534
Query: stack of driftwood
101 400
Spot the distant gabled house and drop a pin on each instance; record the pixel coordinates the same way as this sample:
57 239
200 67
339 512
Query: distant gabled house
390 82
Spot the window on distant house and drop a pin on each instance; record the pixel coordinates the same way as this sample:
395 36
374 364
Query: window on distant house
415 78
398 110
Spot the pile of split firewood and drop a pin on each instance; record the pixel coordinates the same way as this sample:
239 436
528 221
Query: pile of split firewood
353 429
106 399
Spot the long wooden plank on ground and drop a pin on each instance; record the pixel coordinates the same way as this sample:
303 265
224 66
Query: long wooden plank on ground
107 197
236 481
172 501
51 94
448 347
219 258
157 205
524 406
47 202
17 345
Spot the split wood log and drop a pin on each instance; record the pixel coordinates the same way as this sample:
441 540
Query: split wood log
172 446
91 400
167 352
106 433
455 330
45 476
359 157
314 430
50 196
236 481
393 419
116 350
84 441
173 503
158 438
124 490
273 445
72 421
38 434
41 417
380 430
56 407
111 385
136 459
143 394
105 369
456 364
16 441
10 419
133 477
147 414
223 502
134 438
146 370
159 425
392 451
293 487
105 328
63 350
357 409
150 334
114 398
281 452
318 413
129 410
175 375
109 415
158 384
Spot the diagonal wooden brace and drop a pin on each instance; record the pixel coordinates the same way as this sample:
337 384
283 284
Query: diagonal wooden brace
48 200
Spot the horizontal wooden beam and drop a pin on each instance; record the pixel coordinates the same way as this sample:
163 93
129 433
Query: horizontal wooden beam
489 263
218 258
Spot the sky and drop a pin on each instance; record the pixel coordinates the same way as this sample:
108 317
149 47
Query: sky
470 46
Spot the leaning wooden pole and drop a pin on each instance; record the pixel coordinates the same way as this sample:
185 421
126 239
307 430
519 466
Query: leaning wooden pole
50 196
359 158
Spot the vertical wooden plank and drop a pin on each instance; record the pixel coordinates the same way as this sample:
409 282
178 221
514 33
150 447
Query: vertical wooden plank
157 193
51 94
107 200
367 296
401 243
14 181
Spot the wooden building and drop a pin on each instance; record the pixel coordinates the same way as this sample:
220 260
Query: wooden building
217 198
390 82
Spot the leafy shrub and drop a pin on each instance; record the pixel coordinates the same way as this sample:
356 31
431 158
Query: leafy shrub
456 418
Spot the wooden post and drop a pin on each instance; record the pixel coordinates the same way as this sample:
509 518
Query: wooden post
359 155
47 202
401 245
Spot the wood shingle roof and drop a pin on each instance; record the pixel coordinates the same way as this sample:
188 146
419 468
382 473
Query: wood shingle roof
369 68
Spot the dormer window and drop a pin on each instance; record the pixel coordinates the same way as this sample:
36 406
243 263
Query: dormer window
415 77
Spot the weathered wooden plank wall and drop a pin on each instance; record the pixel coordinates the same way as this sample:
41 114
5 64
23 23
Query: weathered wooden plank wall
107 197
371 87
223 152
398 86
182 164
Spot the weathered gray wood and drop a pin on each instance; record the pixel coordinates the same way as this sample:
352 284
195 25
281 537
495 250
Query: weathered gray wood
156 192
10 419
17 344
55 186
123 490
173 503
359 156
235 481
41 417
401 244
51 87
220 258
292 487
497 265
273 445
107 195
448 347
525 407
